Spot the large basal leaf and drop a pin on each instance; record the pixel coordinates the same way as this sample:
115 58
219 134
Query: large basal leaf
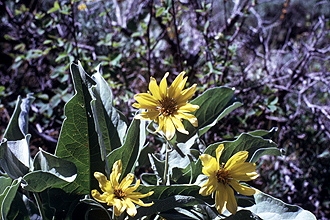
15 157
130 151
49 171
22 208
256 146
270 208
112 124
7 195
214 104
18 124
78 141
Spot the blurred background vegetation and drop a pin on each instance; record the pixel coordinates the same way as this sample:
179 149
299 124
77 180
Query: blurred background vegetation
274 53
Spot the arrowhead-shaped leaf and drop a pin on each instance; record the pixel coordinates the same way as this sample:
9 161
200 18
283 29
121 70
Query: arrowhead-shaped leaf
268 207
78 141
49 171
15 157
7 195
112 124
130 151
18 124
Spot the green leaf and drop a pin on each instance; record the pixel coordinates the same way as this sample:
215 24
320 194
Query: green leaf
263 133
268 207
112 124
18 124
244 215
7 196
22 208
49 171
15 157
244 142
163 192
95 210
78 141
160 11
55 8
166 204
214 104
130 151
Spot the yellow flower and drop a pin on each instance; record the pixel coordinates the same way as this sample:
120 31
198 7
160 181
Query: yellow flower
167 106
82 6
120 196
220 177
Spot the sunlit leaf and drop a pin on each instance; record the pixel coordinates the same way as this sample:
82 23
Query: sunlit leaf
112 124
7 195
49 171
15 157
130 151
78 141
270 208
18 124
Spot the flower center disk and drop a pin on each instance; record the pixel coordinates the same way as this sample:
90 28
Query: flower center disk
168 106
223 176
119 193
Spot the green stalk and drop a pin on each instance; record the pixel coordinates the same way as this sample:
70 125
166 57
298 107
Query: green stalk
39 204
166 163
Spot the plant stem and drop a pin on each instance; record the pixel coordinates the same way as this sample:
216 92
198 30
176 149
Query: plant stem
166 163
41 211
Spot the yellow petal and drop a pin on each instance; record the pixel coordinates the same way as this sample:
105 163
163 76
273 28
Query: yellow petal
191 118
138 195
161 122
163 86
131 209
154 89
99 197
209 187
126 182
104 183
239 158
177 85
133 188
218 152
118 207
221 198
115 174
244 190
186 94
178 125
210 164
168 128
187 107
146 101
231 204
244 172
141 203
150 115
